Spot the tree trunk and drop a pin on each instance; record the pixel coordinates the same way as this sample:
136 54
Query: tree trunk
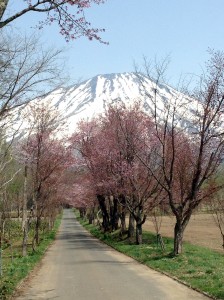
1 263
24 215
37 234
139 233
131 226
223 241
179 228
19 207
178 238
105 215
2 232
82 211
140 218
25 239
91 215
123 222
114 219
98 219
122 214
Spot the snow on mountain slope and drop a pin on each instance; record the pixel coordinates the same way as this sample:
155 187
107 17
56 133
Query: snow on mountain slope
91 97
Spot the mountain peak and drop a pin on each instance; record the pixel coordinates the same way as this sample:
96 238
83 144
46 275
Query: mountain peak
90 97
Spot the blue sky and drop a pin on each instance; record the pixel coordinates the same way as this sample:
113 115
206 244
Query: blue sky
183 29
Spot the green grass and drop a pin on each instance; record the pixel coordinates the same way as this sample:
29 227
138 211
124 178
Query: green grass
19 268
198 267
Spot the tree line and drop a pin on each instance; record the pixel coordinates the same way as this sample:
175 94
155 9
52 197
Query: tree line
132 162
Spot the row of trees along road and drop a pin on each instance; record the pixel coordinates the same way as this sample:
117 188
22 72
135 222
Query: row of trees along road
31 170
135 162
32 167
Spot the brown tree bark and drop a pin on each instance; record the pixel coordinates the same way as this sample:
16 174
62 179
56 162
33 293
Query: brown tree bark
123 222
139 234
178 239
91 216
140 220
181 224
131 226
105 215
114 214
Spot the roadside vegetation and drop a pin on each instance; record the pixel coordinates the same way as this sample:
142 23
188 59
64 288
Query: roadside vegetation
14 266
198 267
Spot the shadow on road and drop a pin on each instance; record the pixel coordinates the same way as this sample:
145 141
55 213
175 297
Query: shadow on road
80 239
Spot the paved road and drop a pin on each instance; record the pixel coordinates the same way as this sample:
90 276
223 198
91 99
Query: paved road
78 267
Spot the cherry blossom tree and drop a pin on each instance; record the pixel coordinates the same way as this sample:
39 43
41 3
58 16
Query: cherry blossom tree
69 15
110 147
190 155
133 137
46 157
94 156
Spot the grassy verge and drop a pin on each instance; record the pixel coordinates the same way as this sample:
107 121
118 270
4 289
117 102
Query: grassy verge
198 267
16 270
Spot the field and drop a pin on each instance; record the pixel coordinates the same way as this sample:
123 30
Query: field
201 230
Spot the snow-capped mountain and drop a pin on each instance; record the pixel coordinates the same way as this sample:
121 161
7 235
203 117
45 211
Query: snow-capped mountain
91 97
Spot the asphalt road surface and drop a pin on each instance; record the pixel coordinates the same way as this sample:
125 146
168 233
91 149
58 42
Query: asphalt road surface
79 267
